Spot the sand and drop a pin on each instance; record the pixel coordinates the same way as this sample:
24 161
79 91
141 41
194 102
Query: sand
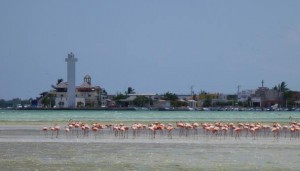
27 148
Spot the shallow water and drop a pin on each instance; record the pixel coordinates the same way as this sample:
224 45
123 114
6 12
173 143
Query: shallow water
123 116
23 146
161 155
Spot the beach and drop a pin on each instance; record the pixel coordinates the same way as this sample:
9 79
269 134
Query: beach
24 146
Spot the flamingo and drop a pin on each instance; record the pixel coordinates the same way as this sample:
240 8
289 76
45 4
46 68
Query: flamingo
57 129
224 130
170 129
67 130
215 130
275 131
161 128
292 131
122 131
254 131
237 132
134 128
152 129
195 126
52 131
187 127
77 126
45 130
85 128
95 130
180 125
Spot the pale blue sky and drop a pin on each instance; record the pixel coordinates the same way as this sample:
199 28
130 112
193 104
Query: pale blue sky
154 46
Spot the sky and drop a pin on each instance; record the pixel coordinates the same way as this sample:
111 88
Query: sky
153 46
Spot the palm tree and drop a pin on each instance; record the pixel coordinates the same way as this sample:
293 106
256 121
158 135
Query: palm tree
281 87
130 90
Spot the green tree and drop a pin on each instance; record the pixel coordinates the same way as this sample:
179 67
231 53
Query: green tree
59 81
130 90
120 96
46 101
249 102
141 101
177 103
207 102
173 98
281 87
80 104
170 96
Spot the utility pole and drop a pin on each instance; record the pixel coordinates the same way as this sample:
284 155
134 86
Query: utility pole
192 90
238 87
238 92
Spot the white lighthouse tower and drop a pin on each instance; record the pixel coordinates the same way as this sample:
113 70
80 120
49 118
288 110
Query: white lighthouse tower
71 80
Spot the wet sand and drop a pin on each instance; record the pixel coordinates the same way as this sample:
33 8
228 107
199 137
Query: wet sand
27 148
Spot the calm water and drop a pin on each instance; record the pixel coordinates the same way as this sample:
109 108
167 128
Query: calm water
111 116
29 149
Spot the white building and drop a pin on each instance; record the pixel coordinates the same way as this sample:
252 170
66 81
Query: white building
86 95
244 95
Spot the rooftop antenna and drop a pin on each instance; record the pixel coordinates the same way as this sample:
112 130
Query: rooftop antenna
262 83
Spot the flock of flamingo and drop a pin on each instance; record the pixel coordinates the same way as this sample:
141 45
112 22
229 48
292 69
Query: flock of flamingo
181 129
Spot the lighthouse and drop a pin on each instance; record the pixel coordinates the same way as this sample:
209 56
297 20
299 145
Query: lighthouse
71 79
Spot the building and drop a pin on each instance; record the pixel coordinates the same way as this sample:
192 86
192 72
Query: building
67 95
245 95
86 95
265 97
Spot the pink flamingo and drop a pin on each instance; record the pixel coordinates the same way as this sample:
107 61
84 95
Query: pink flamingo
45 130
95 130
85 128
237 132
152 128
77 126
181 127
134 128
169 128
195 126
122 131
67 130
208 129
215 130
275 131
254 131
224 130
57 129
161 128
187 127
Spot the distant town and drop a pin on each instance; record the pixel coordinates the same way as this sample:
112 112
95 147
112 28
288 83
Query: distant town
95 97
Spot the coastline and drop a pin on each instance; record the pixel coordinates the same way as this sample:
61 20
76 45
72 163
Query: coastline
160 109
